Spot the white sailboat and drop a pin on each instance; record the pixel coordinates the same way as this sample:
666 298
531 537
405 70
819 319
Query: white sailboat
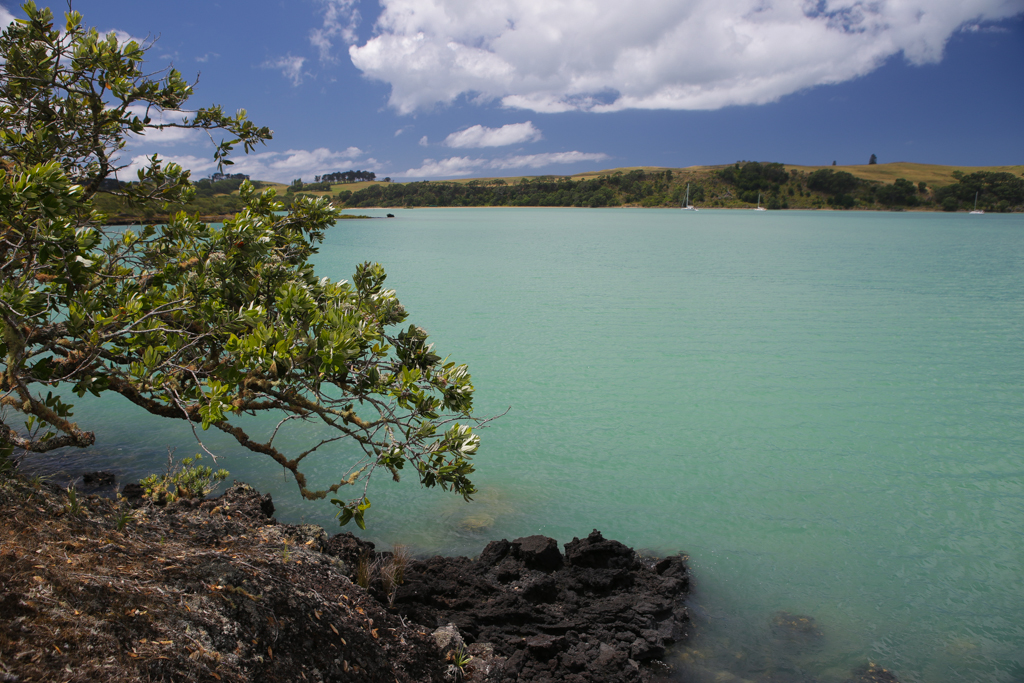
976 205
759 207
687 206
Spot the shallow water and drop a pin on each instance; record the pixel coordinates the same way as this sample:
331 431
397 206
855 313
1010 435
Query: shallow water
823 409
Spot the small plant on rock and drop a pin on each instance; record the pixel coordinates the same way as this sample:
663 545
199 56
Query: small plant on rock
74 505
364 571
459 658
182 480
123 519
400 558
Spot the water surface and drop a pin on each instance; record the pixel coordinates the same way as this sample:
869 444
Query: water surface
824 410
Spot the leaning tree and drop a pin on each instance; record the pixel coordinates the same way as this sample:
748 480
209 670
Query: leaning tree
187 320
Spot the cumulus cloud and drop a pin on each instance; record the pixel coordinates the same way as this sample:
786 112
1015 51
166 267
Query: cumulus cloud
546 159
290 66
609 55
481 136
462 166
165 136
5 18
445 168
340 21
282 167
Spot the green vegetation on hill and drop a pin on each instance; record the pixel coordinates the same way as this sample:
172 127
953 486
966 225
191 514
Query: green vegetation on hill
209 206
734 186
994 191
636 187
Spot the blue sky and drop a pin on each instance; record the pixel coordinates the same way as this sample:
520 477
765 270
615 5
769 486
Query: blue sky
417 89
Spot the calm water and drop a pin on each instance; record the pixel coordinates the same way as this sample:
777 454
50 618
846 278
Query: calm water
824 410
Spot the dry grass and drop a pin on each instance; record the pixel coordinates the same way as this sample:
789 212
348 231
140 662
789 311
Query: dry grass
932 175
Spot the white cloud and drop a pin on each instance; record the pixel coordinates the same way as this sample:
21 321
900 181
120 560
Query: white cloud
123 37
166 136
481 136
282 167
463 166
446 168
340 21
608 55
546 159
207 57
290 66
424 142
5 18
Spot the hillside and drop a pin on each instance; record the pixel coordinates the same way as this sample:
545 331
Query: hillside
930 174
897 186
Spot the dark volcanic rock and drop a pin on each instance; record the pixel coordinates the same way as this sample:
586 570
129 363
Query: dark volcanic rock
872 673
98 479
595 615
538 552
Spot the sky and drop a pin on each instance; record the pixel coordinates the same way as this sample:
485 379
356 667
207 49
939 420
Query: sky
432 89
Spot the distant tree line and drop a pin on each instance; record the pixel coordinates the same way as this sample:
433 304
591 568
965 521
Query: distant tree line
347 177
733 186
646 188
996 191
207 187
753 178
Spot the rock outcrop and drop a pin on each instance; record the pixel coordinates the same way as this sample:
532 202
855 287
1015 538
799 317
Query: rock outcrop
598 613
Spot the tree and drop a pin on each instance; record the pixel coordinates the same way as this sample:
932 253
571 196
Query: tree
186 320
873 160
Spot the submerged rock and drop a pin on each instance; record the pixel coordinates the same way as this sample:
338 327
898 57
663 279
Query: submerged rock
98 479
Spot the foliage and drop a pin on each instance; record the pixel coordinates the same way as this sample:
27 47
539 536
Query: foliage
873 160
833 182
207 187
348 177
183 480
123 519
753 176
185 320
118 211
74 506
998 191
299 186
635 187
900 193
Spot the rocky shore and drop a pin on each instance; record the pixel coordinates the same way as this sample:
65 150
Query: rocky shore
95 589
217 590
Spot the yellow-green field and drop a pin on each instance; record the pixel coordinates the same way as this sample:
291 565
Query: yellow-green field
932 175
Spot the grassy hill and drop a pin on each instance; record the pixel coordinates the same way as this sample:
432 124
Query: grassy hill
930 174
898 185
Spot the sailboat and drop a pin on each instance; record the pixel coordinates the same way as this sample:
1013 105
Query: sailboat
976 205
687 206
759 207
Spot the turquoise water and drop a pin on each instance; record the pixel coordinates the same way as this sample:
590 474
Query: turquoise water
825 410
